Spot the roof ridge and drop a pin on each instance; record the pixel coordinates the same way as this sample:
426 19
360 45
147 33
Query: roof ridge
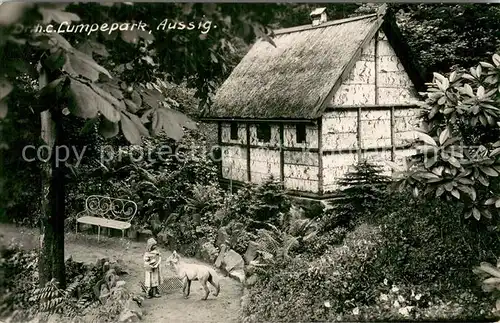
323 25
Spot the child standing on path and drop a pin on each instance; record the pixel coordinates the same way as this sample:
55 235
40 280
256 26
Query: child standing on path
152 260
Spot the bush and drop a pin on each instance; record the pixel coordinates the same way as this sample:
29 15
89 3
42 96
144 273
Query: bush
364 191
21 298
158 183
255 205
198 220
427 242
417 303
300 290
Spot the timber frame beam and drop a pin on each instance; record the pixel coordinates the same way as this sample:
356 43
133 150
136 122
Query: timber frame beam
316 150
249 121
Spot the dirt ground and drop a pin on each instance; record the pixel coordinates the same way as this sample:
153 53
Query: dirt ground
170 307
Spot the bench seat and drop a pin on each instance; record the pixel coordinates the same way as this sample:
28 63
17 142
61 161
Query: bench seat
107 212
101 222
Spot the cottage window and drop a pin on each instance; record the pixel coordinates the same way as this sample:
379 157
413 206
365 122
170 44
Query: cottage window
264 132
234 131
300 133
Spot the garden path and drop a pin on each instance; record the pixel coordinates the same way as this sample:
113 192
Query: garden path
169 308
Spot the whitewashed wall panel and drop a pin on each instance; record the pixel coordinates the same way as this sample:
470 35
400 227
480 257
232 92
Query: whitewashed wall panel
234 163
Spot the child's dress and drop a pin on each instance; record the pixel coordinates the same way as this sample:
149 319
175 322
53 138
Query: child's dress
152 260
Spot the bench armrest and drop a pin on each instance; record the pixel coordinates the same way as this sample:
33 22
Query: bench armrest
82 213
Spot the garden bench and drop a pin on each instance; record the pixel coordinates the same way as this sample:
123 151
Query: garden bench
108 212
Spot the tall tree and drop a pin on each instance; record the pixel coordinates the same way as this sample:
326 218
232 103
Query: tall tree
91 75
443 35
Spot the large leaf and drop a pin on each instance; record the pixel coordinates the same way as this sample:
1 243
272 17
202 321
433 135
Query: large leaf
108 129
131 106
12 12
114 101
102 104
83 101
58 41
490 269
76 67
5 88
138 123
496 60
3 109
113 89
172 122
130 36
90 47
183 119
476 214
453 161
445 134
81 64
490 201
56 60
426 138
130 130
136 98
59 16
107 110
488 171
495 152
152 98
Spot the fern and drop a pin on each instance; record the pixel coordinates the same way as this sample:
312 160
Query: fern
50 299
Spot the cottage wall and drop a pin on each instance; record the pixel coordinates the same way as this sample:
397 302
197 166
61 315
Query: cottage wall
234 157
264 156
300 160
301 164
377 79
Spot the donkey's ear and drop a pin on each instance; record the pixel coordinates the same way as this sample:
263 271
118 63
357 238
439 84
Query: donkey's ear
174 254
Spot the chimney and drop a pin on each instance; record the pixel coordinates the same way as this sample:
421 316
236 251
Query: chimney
318 16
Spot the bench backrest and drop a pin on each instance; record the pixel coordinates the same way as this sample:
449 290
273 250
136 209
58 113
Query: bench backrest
111 208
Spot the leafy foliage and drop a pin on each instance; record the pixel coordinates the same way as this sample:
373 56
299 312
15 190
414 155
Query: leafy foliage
418 302
22 200
444 35
490 283
337 279
458 159
22 298
426 244
256 204
159 175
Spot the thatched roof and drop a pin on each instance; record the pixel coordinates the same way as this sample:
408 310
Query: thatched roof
295 78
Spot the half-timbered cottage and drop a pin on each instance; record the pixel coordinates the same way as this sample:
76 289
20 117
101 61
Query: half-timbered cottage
328 95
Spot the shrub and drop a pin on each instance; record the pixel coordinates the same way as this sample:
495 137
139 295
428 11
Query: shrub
158 183
299 290
427 241
417 303
491 282
21 298
321 242
364 190
198 220
255 205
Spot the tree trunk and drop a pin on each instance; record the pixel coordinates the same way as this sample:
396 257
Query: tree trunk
46 235
52 235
